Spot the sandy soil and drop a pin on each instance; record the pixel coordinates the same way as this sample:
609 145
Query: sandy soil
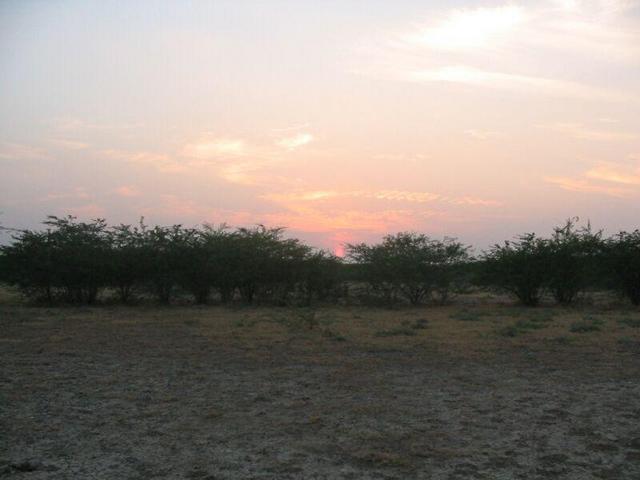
209 393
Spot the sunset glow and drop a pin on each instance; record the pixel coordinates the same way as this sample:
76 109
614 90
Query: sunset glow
340 122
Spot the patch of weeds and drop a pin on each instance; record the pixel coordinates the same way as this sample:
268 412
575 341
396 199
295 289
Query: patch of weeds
298 320
508 312
587 324
396 332
468 315
315 419
519 327
629 322
629 344
420 324
331 335
246 322
327 321
541 316
307 319
509 331
563 340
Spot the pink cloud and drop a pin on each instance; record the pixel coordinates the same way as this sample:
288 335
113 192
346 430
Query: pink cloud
127 191
90 210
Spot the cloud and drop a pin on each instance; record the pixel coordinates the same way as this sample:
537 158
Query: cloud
233 160
161 162
584 186
177 208
127 191
309 219
300 217
18 151
470 28
240 162
514 82
365 212
586 28
76 193
532 48
296 141
292 128
91 210
610 179
69 144
74 124
215 148
577 130
180 207
241 173
402 196
402 158
615 174
483 134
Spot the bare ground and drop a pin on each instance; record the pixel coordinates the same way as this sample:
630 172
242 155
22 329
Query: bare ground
212 393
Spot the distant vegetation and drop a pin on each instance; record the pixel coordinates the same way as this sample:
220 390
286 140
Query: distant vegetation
77 262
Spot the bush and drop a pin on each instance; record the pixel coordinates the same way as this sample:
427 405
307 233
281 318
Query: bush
519 267
69 260
621 261
573 261
129 265
28 265
321 277
411 266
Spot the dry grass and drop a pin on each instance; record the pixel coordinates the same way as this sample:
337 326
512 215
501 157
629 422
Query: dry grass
465 391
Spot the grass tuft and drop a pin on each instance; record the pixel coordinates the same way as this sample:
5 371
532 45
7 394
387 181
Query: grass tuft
468 315
629 322
420 324
396 332
331 335
520 327
587 324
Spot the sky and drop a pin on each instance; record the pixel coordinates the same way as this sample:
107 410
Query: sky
340 120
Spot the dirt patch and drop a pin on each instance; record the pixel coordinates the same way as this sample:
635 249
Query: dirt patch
209 393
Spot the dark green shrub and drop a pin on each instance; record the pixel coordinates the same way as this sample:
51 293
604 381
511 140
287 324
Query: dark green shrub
129 265
28 263
162 248
621 262
321 277
411 266
519 267
573 261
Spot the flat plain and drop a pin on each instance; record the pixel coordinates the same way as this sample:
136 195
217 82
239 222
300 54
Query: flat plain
478 391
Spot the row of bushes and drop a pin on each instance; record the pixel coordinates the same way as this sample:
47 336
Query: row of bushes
74 261
570 262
